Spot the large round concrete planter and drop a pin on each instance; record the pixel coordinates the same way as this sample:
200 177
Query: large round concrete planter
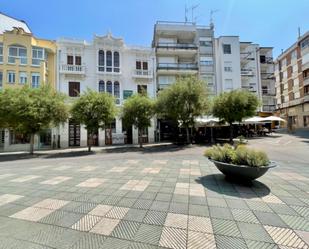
242 171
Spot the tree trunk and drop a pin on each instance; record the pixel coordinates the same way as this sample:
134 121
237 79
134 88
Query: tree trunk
140 138
89 142
188 135
231 133
31 144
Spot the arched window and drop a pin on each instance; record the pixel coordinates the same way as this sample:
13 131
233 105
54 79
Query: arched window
109 64
116 62
101 60
101 86
109 87
117 92
17 51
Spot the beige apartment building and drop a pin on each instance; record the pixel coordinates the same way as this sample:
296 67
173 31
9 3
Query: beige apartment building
292 83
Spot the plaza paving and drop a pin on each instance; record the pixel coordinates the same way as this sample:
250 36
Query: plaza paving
169 198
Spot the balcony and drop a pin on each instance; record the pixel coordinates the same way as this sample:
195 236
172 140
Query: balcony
72 69
266 60
177 68
142 74
176 48
269 108
305 65
306 81
247 72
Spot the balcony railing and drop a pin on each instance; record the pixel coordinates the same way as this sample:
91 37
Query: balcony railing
269 108
186 46
247 72
177 66
140 73
306 81
266 60
65 68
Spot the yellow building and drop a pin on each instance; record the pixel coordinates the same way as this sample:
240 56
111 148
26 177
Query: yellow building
25 59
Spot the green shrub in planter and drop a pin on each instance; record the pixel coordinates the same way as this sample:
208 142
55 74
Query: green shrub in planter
241 155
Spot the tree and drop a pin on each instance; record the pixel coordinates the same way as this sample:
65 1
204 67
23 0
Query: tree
31 110
183 102
95 110
138 111
235 105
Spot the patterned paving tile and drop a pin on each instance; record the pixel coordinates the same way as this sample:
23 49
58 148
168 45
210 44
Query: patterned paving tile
118 169
260 245
148 234
92 183
254 232
32 214
198 240
155 217
25 178
225 227
126 230
117 212
51 204
105 226
7 198
285 237
244 216
271 219
101 210
296 222
173 238
225 242
63 167
176 220
135 215
87 169
56 180
89 241
200 224
2 176
86 223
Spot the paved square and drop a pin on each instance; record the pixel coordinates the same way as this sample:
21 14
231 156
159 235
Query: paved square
132 200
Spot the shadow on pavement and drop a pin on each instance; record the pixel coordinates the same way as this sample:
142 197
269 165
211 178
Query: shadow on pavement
81 153
227 186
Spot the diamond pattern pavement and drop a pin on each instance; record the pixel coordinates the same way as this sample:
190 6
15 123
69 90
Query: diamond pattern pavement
103 201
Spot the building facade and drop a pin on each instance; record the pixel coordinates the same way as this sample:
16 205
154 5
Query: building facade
292 83
105 64
24 59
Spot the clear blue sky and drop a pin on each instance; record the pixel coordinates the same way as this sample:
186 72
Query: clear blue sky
267 22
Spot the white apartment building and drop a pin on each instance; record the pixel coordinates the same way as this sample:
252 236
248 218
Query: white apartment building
245 65
105 64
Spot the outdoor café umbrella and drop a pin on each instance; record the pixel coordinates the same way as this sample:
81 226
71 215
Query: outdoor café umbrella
273 118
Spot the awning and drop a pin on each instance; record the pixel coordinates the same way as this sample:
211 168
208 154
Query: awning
253 120
273 118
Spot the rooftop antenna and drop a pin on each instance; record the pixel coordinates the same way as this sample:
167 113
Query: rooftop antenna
193 7
186 13
211 17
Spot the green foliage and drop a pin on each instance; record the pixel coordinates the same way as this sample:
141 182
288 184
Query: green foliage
183 101
94 109
235 105
239 156
31 110
138 111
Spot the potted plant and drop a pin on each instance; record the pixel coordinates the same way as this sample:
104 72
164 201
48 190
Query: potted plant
239 162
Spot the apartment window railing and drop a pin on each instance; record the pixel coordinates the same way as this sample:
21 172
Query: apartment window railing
73 68
176 45
178 66
269 108
141 72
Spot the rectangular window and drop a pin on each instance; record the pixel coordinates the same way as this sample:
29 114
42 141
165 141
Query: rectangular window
228 66
1 52
78 60
264 89
37 55
70 60
206 61
206 43
145 65
11 77
1 80
19 138
294 54
138 65
35 80
17 52
227 49
22 78
74 89
228 84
